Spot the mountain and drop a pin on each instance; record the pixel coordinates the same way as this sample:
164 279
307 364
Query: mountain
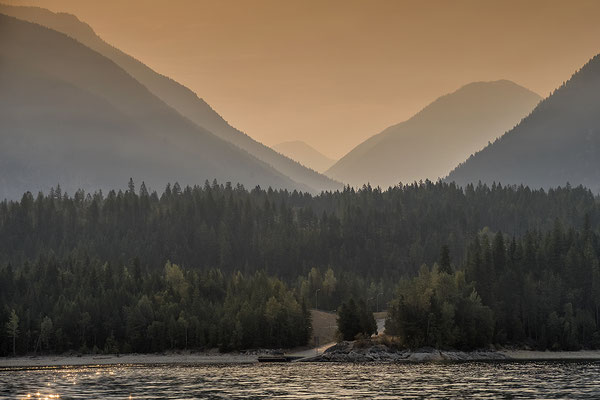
435 140
182 99
70 116
305 155
558 143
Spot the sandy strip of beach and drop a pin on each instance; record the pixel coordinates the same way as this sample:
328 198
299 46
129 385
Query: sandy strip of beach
552 355
92 360
232 358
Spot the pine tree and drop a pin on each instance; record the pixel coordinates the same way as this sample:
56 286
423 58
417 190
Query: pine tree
445 260
12 329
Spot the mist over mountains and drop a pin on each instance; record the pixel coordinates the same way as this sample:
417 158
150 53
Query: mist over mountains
79 112
182 99
457 264
305 155
197 160
70 116
436 139
558 143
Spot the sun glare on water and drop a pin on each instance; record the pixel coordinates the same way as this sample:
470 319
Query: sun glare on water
40 396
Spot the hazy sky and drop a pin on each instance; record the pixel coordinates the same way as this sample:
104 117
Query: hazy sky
333 73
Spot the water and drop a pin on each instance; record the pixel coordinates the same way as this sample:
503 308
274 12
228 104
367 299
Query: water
550 380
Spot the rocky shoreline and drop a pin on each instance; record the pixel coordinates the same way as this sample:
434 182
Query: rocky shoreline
358 353
375 351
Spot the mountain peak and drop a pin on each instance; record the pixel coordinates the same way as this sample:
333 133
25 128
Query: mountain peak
63 22
437 138
71 116
558 142
183 100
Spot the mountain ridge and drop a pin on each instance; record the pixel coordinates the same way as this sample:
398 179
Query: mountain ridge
56 91
556 144
181 98
433 141
305 154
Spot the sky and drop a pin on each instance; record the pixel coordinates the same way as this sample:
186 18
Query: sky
333 73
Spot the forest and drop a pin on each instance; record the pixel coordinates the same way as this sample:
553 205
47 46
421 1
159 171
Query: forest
89 307
222 266
541 291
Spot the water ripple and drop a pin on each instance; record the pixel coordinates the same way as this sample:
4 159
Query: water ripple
483 380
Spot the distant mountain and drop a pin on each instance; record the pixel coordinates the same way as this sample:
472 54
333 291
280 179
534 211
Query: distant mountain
304 154
70 116
558 143
435 140
186 102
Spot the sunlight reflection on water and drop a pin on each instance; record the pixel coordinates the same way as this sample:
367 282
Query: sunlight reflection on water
308 381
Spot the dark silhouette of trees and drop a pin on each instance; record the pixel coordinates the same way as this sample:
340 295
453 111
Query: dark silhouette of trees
354 319
12 329
95 307
440 310
222 266
445 260
541 290
381 235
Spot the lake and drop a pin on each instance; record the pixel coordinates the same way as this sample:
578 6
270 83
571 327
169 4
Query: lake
540 379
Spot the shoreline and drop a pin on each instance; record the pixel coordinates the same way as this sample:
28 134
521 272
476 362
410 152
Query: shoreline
92 360
89 360
374 351
536 355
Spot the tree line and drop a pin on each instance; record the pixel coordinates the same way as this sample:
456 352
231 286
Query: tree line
86 306
540 291
223 266
371 232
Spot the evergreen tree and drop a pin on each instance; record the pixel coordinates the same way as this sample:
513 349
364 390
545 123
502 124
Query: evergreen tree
12 330
444 262
354 319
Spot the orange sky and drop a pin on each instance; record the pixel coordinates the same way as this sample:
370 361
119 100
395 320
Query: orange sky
333 73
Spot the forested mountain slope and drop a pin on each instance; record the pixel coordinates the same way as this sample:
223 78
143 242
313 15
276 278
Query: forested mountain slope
435 140
182 99
72 117
370 233
521 266
558 142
